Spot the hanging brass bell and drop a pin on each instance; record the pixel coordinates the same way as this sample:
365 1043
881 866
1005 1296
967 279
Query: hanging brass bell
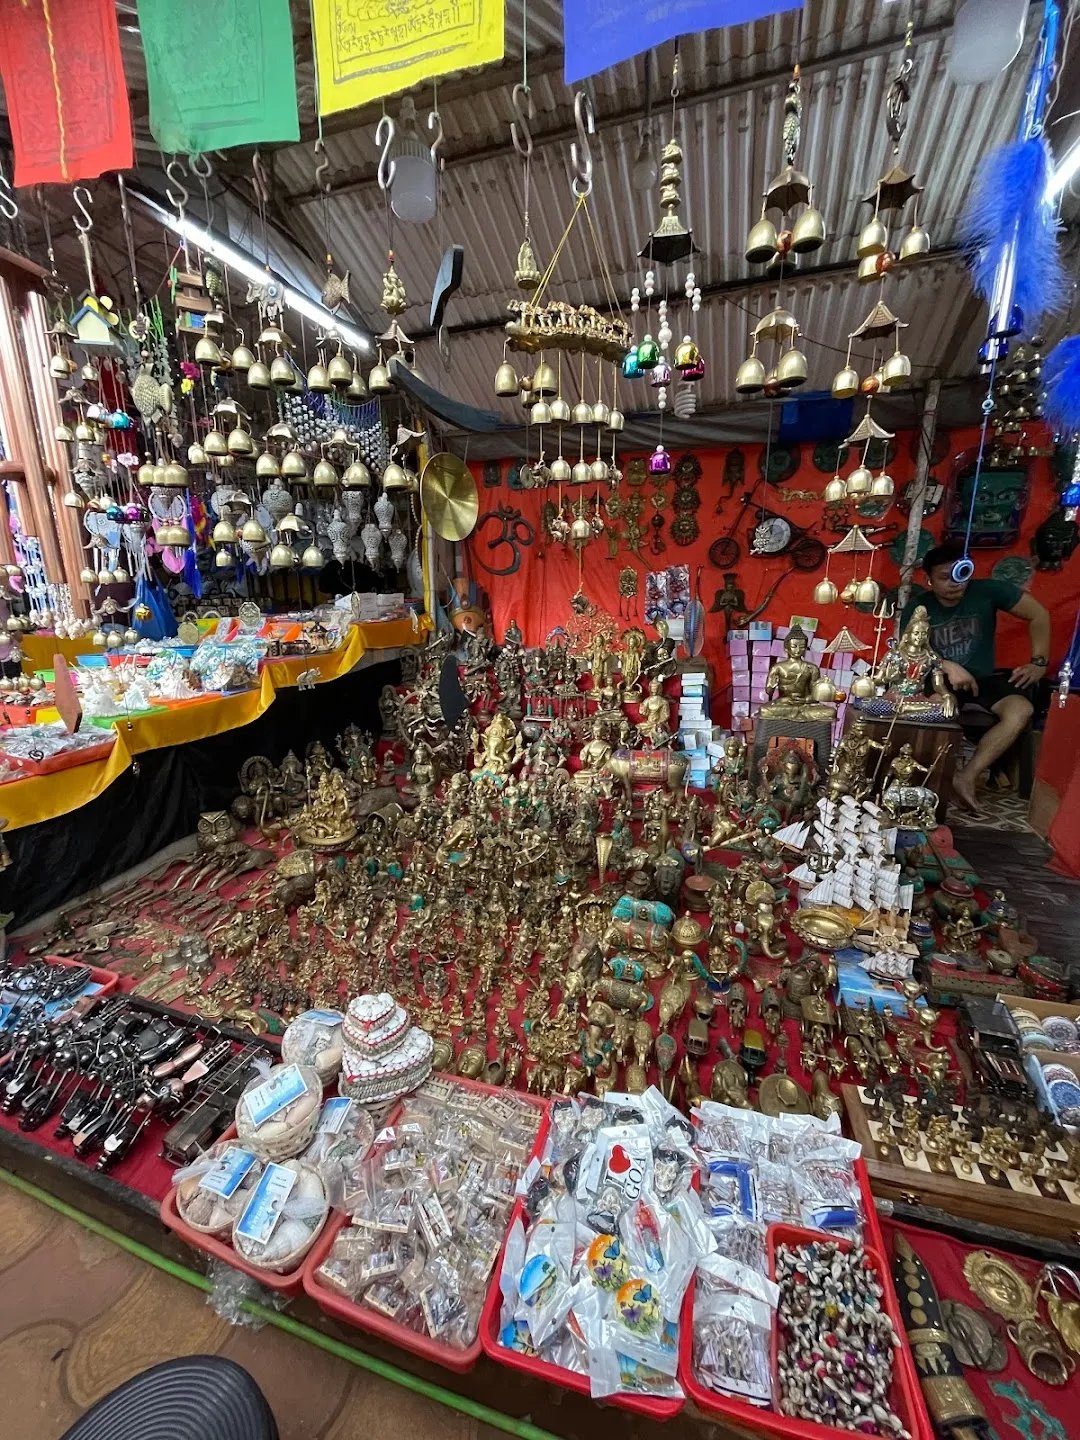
294 466
225 462
159 474
823 690
601 413
240 442
340 372
282 373
215 443
318 381
599 470
507 383
825 592
64 434
312 558
378 381
224 533
792 370
282 557
834 491
242 359
207 352
266 466
197 456
687 354
540 414
258 376
867 592
84 432
60 367
357 392
324 474
560 411
88 576
560 470
394 477
848 593
544 382
175 475
868 269
581 474
896 370
223 560
581 413
282 430
616 420
845 383
808 232
873 239
750 376
252 533
859 481
145 475
915 243
882 486
73 500
761 242
357 476
289 524
862 688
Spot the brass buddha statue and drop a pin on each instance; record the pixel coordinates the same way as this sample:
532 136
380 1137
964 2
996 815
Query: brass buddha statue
795 687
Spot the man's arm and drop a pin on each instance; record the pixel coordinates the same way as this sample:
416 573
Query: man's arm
1038 618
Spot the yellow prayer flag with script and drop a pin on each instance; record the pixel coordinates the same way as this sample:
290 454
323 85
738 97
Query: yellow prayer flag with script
365 49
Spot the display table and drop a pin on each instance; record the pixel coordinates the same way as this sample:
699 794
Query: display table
43 797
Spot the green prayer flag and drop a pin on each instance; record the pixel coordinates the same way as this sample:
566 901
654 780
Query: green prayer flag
220 73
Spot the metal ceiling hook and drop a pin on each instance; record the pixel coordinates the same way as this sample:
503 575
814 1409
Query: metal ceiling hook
434 122
260 183
580 150
524 112
9 206
83 198
322 166
179 198
384 137
200 165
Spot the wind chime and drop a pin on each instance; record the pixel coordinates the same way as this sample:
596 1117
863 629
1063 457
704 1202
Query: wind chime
890 198
856 592
779 251
539 326
669 245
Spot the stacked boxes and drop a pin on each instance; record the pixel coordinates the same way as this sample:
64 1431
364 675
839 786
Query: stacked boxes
756 649
695 727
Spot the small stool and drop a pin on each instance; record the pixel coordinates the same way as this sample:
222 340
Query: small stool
780 727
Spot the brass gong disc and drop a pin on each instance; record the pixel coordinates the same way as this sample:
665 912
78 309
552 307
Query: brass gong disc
448 495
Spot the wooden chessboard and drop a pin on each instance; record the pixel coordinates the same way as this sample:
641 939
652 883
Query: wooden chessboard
1008 1200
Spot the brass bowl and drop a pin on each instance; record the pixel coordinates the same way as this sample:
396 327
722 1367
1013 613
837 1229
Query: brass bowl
823 927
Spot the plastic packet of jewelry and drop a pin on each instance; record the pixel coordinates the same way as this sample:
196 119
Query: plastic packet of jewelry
673 1173
689 1214
565 1136
377 1265
622 1108
829 1197
668 1127
717 1275
730 1189
617 1166
340 1274
393 1211
544 1282
432 1222
659 1251
720 1129
778 1196
742 1241
732 1345
388 1297
336 1154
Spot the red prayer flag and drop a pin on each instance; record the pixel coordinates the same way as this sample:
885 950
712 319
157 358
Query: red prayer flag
66 94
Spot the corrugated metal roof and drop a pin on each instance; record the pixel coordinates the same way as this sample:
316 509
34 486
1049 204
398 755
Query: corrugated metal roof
732 144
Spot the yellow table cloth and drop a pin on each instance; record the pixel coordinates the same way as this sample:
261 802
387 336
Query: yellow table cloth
41 797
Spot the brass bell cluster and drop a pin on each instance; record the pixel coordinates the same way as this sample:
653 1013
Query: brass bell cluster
789 368
340 377
862 483
61 365
856 592
1018 399
889 373
765 244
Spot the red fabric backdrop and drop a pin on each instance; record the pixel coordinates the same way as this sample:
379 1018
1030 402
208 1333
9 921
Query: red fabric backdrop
538 594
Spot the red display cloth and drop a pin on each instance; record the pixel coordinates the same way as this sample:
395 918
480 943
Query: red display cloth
65 89
1059 768
537 594
944 1258
142 1169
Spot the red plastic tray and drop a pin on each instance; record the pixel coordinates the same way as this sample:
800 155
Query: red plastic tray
289 1282
65 760
107 979
364 1318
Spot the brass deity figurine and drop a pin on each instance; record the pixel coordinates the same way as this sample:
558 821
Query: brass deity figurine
654 717
795 686
904 671
850 761
497 749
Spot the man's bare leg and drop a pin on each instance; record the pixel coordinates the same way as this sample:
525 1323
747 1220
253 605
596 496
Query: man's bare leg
1013 713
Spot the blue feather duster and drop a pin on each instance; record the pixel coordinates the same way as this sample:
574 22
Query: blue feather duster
1006 201
1061 376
